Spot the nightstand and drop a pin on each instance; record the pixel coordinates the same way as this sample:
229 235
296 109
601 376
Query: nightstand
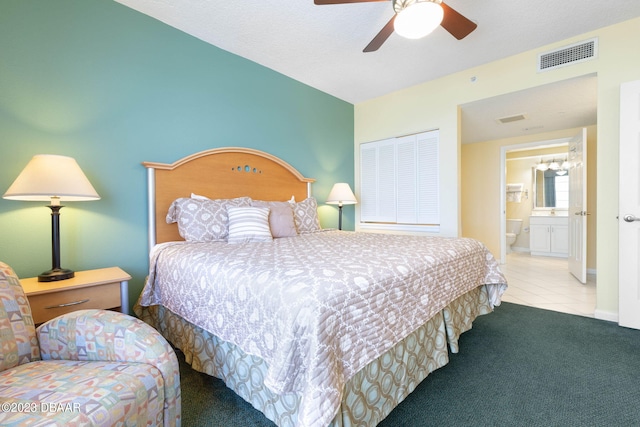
106 288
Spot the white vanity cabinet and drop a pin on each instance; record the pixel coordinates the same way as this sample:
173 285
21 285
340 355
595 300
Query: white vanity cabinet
549 235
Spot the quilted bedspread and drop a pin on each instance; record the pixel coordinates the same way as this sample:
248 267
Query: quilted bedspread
317 307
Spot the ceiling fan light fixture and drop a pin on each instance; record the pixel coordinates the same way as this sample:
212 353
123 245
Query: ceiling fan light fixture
418 19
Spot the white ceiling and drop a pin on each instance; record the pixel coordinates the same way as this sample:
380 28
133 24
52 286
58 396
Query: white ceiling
563 105
321 46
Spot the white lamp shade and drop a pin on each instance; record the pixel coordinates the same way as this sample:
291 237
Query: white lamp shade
418 19
542 166
49 176
554 166
341 194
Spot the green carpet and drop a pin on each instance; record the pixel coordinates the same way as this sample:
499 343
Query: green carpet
518 366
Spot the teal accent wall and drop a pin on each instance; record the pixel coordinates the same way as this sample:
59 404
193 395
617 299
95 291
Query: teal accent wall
111 87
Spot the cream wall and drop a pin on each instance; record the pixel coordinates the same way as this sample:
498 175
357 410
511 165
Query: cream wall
518 172
436 104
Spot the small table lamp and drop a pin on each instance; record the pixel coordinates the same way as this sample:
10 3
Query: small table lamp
53 178
340 195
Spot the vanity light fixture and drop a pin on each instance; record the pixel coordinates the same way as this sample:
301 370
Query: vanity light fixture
542 166
553 165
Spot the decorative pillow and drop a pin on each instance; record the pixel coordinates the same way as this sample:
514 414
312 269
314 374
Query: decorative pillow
203 220
281 220
198 196
18 342
306 216
250 224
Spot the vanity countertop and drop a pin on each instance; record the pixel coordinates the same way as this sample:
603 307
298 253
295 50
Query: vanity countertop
549 219
564 214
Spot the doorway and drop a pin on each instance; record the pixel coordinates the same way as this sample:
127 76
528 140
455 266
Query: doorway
538 278
521 120
534 196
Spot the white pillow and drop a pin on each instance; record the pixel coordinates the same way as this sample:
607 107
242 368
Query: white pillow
198 196
248 224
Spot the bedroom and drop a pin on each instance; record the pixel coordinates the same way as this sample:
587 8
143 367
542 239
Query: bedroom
106 84
89 89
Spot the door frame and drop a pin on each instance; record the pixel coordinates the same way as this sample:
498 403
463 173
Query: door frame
503 184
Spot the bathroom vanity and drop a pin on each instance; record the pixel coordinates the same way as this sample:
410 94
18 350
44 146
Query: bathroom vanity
549 235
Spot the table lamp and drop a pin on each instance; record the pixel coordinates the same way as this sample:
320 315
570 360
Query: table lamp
52 178
340 195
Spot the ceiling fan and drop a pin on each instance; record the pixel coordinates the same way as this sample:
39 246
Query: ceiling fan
416 19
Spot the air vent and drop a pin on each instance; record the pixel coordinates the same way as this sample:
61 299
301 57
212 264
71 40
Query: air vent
572 54
509 119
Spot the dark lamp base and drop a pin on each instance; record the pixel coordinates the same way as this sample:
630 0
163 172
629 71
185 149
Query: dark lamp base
55 275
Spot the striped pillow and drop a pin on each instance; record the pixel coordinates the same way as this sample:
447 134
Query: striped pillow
248 224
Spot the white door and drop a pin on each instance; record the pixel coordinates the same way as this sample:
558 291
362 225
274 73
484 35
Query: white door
577 206
629 206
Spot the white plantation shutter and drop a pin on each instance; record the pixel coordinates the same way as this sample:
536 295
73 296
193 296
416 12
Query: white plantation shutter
428 183
377 181
368 181
406 199
386 182
399 180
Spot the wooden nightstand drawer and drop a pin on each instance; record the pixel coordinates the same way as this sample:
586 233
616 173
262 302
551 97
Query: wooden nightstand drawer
48 306
105 288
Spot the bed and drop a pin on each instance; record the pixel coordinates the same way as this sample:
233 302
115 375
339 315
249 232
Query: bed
312 327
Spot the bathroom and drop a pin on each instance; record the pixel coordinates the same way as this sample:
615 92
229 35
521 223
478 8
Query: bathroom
540 270
533 208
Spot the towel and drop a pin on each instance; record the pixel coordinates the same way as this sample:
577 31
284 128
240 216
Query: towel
514 192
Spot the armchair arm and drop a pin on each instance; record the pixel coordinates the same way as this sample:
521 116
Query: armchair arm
103 335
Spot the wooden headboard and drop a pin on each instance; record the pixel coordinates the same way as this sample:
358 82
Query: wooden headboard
221 173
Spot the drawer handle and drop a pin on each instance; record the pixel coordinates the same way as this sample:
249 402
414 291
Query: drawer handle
68 304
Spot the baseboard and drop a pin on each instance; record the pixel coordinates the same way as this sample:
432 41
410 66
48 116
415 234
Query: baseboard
606 315
592 271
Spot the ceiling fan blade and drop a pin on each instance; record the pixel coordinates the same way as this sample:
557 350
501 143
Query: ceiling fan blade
381 37
319 2
456 24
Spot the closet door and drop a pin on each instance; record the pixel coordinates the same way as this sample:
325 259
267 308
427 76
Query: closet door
378 181
399 180
407 196
428 183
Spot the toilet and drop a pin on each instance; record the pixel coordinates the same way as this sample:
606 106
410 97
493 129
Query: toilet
513 229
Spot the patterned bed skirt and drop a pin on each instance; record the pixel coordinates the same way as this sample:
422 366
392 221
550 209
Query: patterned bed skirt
368 397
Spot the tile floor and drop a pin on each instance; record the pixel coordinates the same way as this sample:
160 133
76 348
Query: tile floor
545 282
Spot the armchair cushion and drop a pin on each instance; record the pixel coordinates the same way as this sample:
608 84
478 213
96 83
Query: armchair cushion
18 343
63 393
88 367
100 335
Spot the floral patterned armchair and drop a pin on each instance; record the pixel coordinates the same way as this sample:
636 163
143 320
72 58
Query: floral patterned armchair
89 367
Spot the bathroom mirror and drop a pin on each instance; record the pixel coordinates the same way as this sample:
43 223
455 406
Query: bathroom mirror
550 190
